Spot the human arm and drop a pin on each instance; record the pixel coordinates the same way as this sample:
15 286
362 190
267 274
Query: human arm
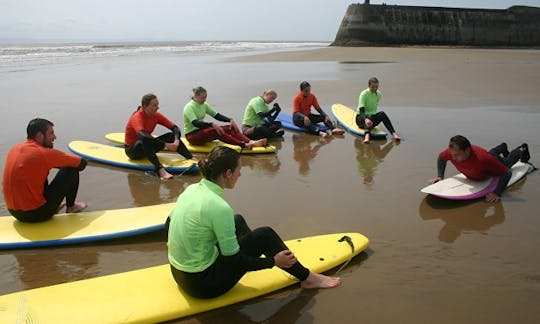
441 167
501 186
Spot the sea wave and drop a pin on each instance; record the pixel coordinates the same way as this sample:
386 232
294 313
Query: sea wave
17 56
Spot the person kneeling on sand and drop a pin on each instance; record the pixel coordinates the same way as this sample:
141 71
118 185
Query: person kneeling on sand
28 194
478 164
226 247
302 116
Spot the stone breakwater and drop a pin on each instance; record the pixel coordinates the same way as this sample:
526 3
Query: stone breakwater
367 25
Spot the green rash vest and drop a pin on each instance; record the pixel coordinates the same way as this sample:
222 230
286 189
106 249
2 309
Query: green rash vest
195 111
200 219
370 101
255 106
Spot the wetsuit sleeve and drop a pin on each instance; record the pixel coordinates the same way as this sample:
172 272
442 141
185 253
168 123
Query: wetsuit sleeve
82 165
362 112
441 166
317 107
503 182
247 262
222 118
200 124
176 132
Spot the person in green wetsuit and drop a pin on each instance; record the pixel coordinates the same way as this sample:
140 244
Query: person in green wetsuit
210 248
199 132
260 121
367 116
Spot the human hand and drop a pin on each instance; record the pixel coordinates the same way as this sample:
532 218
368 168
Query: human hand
368 123
172 146
492 197
326 118
218 129
284 259
434 180
234 126
307 121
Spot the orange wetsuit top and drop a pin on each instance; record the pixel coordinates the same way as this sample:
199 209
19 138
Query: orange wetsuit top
141 121
303 104
26 170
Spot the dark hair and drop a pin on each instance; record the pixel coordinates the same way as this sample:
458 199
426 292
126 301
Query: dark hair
220 159
198 90
460 142
304 85
37 125
373 80
147 98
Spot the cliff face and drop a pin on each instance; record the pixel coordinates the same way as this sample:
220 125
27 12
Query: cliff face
366 24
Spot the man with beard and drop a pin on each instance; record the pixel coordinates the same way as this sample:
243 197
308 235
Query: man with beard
28 194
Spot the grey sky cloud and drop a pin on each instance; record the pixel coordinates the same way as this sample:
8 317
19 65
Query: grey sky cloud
117 20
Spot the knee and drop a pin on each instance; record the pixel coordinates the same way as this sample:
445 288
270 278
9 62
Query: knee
266 232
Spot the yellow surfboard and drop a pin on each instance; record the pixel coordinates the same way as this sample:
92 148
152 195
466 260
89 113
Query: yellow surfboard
112 155
346 117
82 227
206 148
151 295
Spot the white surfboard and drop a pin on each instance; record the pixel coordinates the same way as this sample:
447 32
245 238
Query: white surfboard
459 187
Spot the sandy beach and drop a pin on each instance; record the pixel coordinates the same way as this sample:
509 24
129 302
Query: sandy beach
430 260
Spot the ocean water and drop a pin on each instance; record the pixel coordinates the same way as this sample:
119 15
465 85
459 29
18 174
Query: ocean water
25 57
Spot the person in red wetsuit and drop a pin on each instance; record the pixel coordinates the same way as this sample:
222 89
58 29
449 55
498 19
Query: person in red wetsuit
139 143
28 194
478 164
302 116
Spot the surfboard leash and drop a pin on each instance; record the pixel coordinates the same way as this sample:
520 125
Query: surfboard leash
351 244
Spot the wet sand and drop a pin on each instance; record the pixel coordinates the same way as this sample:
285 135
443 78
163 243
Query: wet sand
429 261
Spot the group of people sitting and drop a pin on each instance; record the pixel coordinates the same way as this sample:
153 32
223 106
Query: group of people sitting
211 248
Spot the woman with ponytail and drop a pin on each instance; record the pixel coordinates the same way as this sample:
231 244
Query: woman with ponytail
210 248
139 143
199 132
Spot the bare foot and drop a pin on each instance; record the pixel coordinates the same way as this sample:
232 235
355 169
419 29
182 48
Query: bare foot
62 205
367 137
338 131
164 175
323 134
316 280
396 137
77 207
257 143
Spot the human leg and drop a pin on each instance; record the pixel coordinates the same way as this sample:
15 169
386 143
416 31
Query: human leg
501 149
181 149
65 184
202 136
519 153
381 116
256 132
265 240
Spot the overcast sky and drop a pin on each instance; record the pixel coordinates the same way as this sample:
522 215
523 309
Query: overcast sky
131 20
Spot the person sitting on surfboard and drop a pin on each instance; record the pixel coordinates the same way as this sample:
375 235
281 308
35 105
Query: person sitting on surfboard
139 143
478 164
259 121
302 116
28 195
210 248
367 116
199 132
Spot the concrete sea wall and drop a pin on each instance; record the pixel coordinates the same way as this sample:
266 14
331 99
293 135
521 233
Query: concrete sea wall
366 24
